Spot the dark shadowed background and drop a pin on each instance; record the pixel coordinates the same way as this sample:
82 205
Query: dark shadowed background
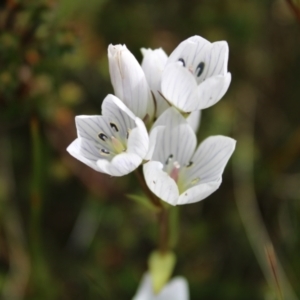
67 232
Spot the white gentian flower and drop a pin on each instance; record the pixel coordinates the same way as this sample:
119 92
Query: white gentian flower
196 74
176 289
177 173
153 64
115 143
129 82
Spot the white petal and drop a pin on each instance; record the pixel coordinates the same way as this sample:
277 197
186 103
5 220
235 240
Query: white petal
211 157
138 140
178 138
211 91
189 49
202 58
153 64
198 192
129 81
176 289
216 60
160 183
194 119
209 162
84 153
170 118
88 127
113 108
153 140
161 104
157 56
144 291
179 87
122 164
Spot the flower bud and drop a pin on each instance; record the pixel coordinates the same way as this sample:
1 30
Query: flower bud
129 81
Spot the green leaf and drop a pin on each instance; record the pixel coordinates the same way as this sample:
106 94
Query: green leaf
143 201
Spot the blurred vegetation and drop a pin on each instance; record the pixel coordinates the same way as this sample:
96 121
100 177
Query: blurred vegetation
67 232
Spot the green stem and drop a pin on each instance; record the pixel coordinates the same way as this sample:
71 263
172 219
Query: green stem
162 215
35 195
155 201
40 273
163 231
174 227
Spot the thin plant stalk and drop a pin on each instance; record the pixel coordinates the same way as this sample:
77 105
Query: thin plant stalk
40 273
162 216
36 182
246 201
16 281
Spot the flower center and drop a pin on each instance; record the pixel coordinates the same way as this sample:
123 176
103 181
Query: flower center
196 72
179 174
115 144
175 171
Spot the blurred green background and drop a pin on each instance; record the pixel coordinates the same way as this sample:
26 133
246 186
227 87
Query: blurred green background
67 232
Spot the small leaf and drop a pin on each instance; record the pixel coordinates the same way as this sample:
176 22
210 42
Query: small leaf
161 266
143 201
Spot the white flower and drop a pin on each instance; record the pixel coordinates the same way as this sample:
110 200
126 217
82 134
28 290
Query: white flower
129 81
196 74
176 289
153 64
177 173
115 143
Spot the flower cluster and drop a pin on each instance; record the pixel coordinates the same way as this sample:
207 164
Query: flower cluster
152 117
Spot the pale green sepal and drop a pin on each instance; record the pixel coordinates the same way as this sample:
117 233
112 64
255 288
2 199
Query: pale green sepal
143 201
161 268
